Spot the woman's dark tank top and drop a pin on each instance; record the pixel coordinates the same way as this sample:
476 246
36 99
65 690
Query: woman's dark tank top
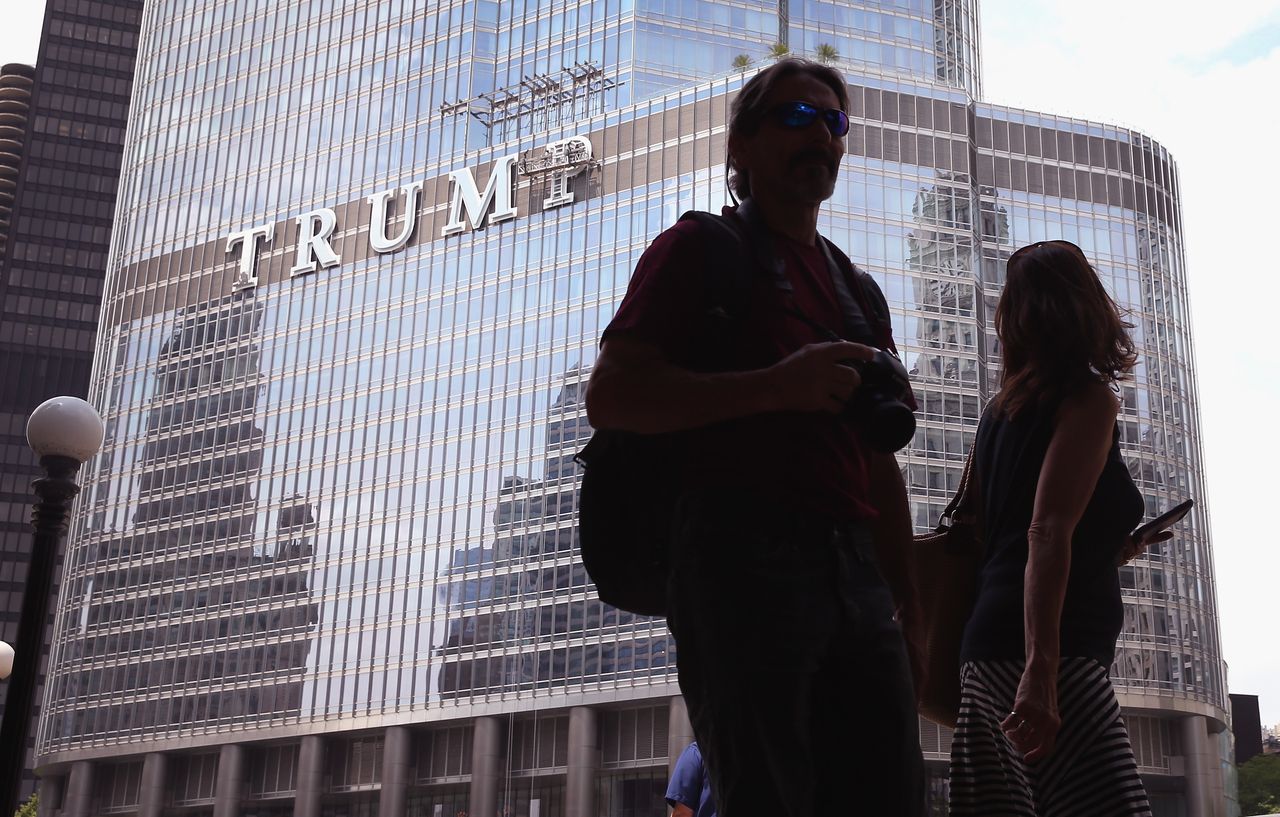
1008 455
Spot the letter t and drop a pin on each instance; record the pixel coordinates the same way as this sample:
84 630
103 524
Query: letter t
247 275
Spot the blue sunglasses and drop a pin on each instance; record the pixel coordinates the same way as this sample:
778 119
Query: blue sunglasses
798 115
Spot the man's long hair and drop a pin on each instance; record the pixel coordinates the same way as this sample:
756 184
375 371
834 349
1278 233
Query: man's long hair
1058 328
749 108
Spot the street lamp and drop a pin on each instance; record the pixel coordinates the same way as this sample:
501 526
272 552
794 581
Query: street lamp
64 432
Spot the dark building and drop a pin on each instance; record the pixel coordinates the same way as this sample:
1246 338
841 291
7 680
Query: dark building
1246 725
61 141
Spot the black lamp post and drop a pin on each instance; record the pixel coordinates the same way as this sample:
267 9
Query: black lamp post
64 432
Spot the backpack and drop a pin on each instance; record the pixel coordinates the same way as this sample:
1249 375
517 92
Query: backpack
630 486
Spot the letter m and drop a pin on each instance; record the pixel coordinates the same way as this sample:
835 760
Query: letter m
498 193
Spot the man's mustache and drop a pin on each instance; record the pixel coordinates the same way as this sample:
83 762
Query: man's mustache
813 155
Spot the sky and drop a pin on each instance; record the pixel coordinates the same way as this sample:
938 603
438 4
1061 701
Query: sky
20 34
1203 79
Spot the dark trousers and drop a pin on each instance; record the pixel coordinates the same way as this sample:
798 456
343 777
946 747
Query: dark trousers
793 670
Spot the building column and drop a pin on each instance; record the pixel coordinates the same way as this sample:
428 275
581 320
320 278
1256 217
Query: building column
230 786
1200 767
51 790
309 783
79 797
151 792
584 760
397 748
679 733
487 764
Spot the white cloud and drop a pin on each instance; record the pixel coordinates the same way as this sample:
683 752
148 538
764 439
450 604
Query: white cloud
1202 82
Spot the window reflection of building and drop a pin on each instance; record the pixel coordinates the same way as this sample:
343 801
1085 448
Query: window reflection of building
192 598
940 258
537 594
940 342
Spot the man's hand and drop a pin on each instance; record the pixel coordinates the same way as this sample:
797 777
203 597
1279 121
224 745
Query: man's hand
814 378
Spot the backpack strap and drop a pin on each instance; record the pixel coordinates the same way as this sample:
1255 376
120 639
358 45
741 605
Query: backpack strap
870 299
858 320
728 264
739 245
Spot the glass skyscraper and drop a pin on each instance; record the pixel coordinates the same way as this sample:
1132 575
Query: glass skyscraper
326 563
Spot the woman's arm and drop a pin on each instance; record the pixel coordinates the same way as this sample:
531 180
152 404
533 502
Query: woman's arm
1072 465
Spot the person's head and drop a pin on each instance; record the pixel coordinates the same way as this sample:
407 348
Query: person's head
784 150
1058 327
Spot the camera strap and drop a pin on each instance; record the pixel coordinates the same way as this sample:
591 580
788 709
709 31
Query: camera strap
855 321
826 334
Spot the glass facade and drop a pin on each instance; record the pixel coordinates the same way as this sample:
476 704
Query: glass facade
328 554
682 42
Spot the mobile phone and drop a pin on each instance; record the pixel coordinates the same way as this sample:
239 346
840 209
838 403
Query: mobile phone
1165 520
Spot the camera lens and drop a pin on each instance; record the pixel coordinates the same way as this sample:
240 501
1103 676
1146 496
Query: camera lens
886 422
890 425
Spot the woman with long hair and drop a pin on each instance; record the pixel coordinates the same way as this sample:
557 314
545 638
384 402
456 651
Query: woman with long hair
1040 731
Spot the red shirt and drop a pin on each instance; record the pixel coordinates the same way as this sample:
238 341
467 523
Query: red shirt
810 459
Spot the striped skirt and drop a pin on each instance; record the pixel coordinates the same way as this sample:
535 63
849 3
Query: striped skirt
1090 773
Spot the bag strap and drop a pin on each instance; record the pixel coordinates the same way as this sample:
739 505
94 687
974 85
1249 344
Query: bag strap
963 497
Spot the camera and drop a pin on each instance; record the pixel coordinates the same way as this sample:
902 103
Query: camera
876 407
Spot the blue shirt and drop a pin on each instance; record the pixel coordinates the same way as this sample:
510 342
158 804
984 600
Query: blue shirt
690 784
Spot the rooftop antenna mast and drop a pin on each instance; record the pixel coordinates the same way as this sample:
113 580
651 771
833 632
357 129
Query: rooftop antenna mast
539 101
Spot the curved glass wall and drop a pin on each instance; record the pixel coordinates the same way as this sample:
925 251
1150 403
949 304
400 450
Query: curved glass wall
1115 193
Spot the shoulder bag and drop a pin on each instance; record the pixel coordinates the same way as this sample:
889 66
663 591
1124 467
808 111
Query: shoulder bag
946 575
